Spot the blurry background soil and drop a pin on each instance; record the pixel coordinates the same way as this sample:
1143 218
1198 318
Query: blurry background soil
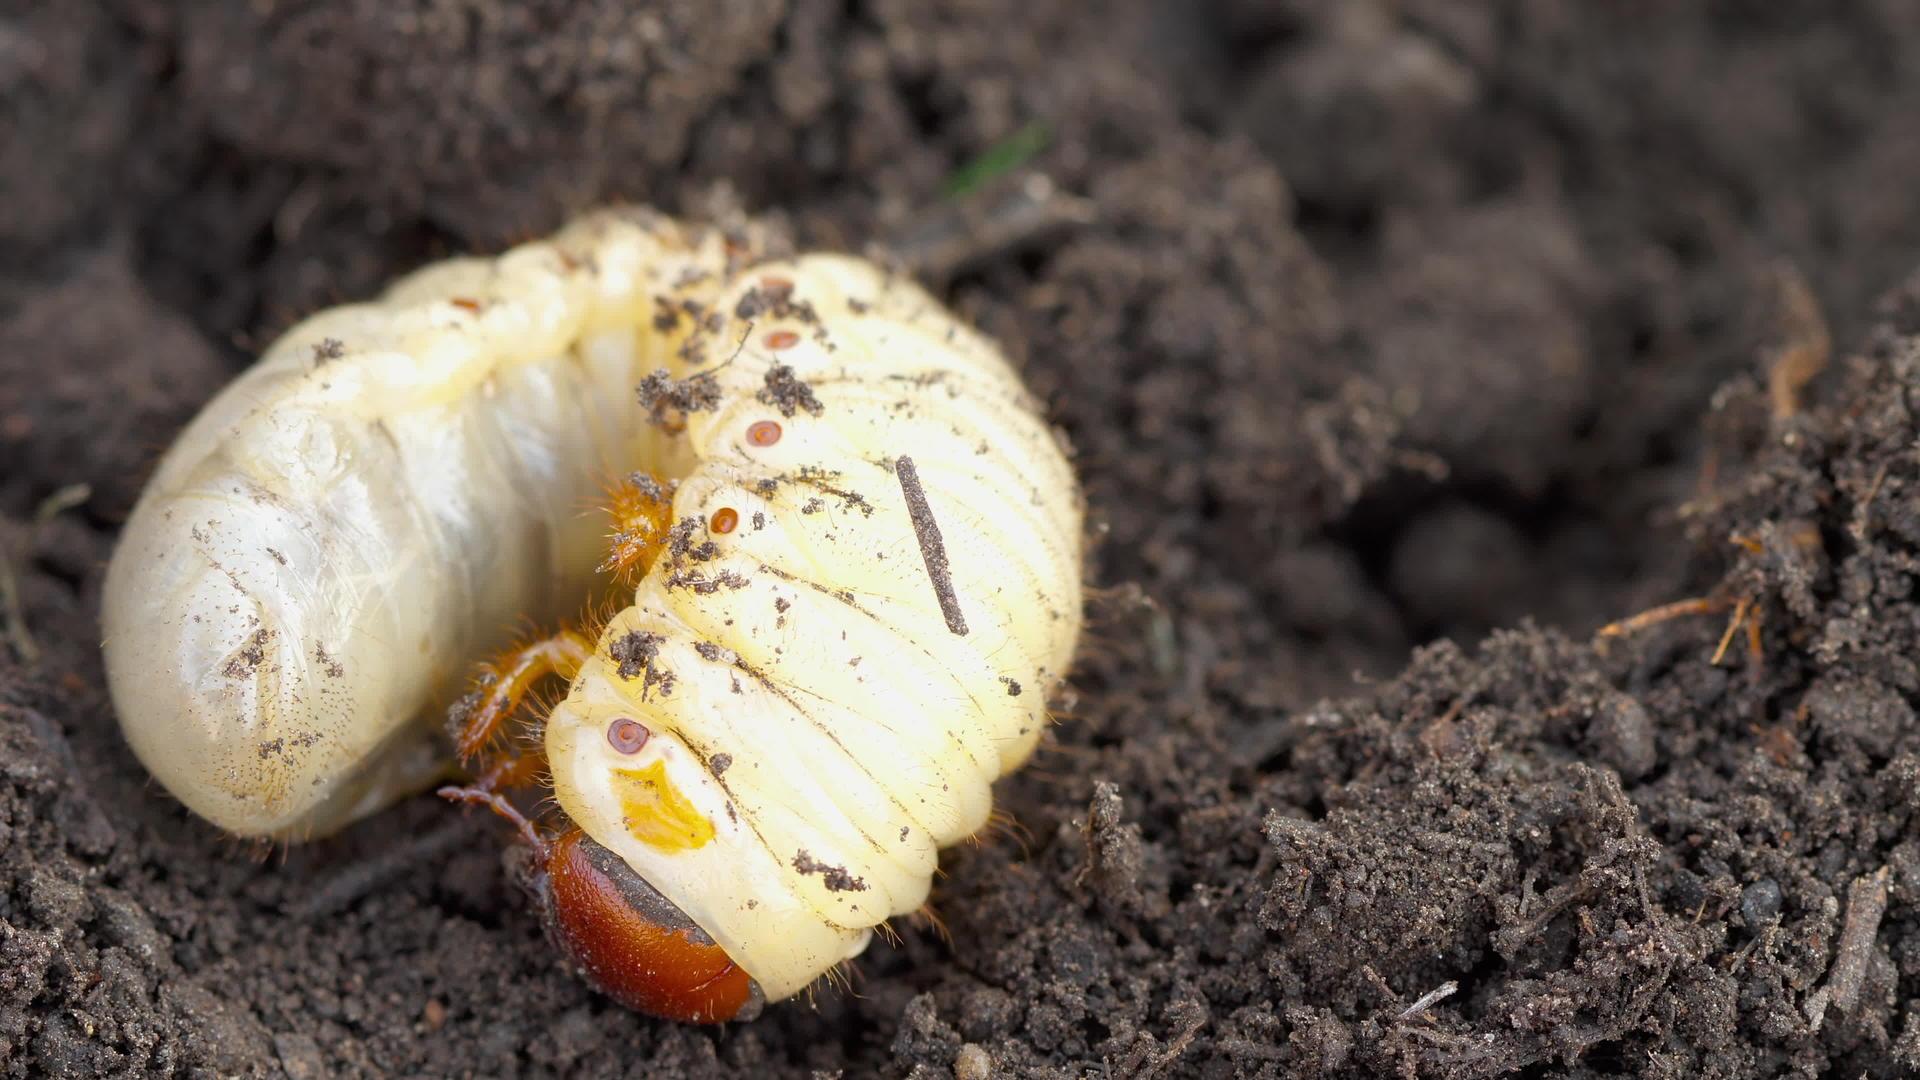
1412 342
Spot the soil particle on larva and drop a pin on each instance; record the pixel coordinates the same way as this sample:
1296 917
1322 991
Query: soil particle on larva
635 652
773 299
788 393
835 878
663 396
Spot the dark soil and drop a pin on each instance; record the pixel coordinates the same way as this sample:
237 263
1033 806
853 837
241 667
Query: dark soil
1399 321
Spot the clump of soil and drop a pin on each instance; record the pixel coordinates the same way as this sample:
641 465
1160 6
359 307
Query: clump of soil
1408 343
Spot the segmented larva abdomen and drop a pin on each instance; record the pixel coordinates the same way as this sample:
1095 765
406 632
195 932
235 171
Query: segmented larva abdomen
875 588
342 533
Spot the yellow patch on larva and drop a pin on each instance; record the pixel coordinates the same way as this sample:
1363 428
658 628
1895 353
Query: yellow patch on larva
656 812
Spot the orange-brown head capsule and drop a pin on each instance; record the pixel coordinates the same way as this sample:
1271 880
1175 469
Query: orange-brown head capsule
631 942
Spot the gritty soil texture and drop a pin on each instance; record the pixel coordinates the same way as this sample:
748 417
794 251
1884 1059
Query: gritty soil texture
1409 343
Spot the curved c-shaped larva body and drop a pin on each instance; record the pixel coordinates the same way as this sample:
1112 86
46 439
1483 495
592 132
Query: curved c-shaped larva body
824 713
345 528
870 585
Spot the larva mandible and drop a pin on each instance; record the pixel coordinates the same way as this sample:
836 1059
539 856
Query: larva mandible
869 586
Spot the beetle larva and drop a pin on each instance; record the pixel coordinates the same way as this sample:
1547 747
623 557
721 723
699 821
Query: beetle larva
866 583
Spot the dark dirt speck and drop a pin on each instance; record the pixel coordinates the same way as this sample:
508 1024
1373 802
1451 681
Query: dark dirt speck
788 393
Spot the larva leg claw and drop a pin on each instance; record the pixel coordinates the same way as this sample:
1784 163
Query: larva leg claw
499 804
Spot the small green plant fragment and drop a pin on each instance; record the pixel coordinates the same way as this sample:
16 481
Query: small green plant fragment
999 159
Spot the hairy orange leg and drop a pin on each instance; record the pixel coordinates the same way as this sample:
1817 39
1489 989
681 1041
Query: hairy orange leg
641 506
477 719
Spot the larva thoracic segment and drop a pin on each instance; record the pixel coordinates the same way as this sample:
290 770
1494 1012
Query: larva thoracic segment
861 555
